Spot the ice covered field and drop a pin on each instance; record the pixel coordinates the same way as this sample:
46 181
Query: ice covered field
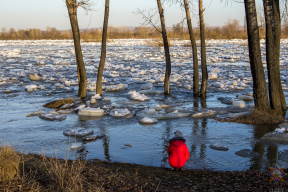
33 73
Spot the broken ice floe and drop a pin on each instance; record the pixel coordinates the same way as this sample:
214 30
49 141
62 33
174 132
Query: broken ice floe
31 88
152 113
148 120
119 87
52 117
137 96
204 114
76 145
36 113
78 132
91 112
239 104
119 112
93 137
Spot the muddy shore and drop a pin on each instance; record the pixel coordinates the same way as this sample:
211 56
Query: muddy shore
39 173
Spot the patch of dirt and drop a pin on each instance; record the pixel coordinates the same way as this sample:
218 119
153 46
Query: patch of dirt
99 175
256 118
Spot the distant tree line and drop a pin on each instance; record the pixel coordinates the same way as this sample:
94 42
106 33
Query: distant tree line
231 30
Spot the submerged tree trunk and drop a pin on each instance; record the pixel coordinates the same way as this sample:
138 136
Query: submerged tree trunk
72 10
259 83
166 48
103 50
194 51
273 32
203 51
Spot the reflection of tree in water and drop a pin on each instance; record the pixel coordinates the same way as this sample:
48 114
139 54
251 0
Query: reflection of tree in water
166 136
196 129
271 150
105 143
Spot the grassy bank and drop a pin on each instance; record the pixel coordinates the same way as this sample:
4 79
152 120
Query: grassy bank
40 173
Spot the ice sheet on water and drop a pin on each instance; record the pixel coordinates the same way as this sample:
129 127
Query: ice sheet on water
119 112
78 132
116 87
52 117
204 114
148 120
137 96
91 112
36 113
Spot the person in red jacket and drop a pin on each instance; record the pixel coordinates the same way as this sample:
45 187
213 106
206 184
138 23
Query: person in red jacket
177 151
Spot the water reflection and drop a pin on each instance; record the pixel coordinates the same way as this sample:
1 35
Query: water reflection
268 152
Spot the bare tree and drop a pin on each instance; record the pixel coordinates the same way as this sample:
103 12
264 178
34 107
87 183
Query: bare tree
203 51
273 35
257 70
72 6
166 48
103 50
194 51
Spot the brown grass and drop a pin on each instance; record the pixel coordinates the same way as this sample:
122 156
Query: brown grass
9 163
157 43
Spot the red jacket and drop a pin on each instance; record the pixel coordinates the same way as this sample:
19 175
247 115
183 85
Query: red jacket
178 152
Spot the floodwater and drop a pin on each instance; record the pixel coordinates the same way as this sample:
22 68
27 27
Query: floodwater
226 59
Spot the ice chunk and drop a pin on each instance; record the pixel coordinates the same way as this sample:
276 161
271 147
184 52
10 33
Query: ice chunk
245 98
96 96
34 77
204 114
91 112
218 147
116 87
157 107
147 86
76 145
137 96
119 112
239 104
52 117
212 75
148 120
150 92
36 113
31 88
93 137
279 135
78 132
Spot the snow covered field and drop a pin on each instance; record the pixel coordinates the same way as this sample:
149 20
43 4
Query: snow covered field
33 73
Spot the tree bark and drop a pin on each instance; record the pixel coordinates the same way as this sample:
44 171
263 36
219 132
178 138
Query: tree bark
194 51
72 10
203 51
166 48
103 50
273 32
259 83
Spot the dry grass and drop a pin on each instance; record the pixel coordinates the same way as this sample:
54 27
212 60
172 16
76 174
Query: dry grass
157 43
9 163
66 174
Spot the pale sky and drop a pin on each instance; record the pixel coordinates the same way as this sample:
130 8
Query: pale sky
23 14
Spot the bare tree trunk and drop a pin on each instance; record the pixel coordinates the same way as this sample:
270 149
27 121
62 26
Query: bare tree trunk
194 51
166 48
273 33
203 51
103 50
72 10
259 83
